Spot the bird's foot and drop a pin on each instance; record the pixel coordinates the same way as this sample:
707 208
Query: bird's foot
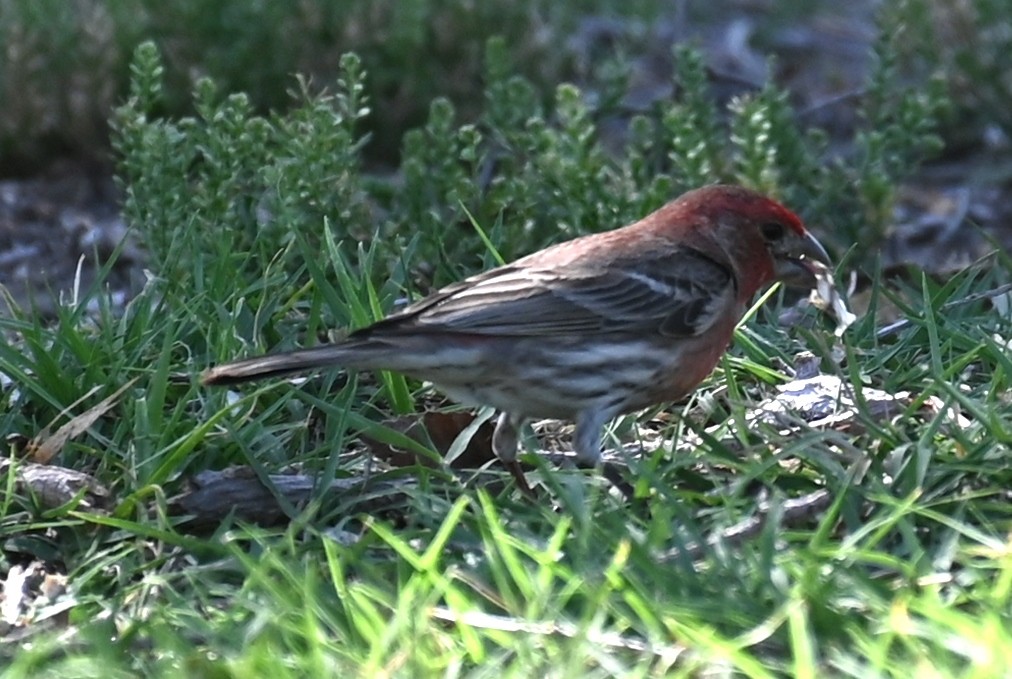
513 467
613 473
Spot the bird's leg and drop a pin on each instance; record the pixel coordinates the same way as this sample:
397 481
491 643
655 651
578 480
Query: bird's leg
587 439
587 445
505 438
505 441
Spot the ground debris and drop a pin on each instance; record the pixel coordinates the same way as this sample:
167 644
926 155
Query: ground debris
240 493
54 486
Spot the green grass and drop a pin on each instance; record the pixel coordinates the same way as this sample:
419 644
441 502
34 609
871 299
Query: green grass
908 573
266 233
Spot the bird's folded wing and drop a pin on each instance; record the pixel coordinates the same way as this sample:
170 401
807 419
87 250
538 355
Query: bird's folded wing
680 294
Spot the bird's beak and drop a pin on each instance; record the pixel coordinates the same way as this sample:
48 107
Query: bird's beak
798 264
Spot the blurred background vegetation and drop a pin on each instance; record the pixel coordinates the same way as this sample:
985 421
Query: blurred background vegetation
64 65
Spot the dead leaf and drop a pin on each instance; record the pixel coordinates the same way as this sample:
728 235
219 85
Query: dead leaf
826 297
442 430
44 447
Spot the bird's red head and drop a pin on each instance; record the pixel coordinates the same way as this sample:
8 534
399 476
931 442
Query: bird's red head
716 202
763 240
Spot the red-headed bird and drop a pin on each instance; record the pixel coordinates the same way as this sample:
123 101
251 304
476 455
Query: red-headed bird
587 329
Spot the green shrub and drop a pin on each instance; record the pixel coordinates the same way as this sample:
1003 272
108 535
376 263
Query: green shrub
966 45
229 182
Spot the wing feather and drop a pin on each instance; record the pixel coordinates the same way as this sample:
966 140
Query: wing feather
677 295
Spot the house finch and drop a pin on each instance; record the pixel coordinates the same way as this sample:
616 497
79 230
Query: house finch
587 329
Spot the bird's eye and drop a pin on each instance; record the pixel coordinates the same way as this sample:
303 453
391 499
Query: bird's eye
772 231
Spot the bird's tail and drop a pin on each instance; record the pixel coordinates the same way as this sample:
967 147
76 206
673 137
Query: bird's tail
348 355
